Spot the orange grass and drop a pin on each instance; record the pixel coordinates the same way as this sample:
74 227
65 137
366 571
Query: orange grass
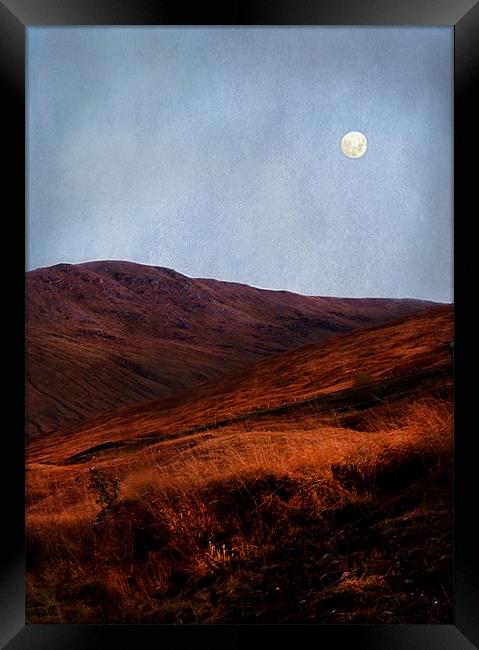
317 522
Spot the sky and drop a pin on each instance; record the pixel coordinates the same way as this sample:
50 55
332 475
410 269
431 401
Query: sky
216 152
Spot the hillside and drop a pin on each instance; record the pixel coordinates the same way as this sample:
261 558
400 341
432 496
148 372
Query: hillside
101 335
416 345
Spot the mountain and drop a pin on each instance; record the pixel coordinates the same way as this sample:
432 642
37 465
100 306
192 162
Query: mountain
101 335
395 359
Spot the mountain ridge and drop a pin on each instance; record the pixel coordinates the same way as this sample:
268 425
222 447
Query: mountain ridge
105 334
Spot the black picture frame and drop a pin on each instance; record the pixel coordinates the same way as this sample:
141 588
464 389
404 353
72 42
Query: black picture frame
15 17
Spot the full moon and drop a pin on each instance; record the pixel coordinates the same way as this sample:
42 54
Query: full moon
354 144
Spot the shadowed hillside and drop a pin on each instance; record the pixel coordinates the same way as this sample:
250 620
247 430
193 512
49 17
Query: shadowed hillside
105 334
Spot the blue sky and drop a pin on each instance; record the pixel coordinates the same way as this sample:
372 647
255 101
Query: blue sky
215 151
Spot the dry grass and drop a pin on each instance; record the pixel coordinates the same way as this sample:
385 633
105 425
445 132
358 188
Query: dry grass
318 522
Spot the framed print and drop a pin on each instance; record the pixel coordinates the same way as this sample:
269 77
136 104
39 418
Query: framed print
243 353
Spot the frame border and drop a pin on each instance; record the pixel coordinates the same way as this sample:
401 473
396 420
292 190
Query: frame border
16 16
